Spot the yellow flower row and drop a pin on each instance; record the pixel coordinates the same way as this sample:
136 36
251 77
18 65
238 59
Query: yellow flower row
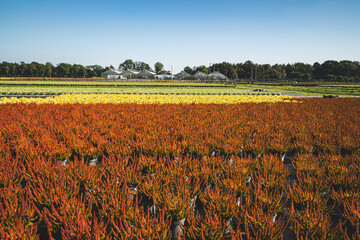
139 98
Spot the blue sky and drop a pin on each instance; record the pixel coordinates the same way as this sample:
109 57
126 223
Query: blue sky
179 33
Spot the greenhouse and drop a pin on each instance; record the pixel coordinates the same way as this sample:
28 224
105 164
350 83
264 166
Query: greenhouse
217 76
182 75
200 76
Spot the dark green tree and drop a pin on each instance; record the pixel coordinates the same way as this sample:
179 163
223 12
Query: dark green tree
233 74
127 64
248 68
94 71
203 69
141 66
63 70
49 68
317 71
5 69
78 70
158 67
347 68
189 70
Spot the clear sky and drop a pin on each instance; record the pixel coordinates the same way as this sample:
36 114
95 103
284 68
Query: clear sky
179 33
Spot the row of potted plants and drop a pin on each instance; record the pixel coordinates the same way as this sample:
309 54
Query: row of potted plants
197 172
127 130
187 197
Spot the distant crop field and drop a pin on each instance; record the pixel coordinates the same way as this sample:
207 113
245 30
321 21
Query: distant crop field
151 87
57 88
113 82
151 99
341 90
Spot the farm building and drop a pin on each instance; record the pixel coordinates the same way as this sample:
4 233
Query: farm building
217 76
112 74
130 73
146 74
182 75
200 76
164 75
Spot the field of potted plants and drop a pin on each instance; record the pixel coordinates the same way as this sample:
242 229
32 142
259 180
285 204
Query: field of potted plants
267 170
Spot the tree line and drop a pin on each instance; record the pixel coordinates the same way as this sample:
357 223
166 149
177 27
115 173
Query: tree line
36 69
327 71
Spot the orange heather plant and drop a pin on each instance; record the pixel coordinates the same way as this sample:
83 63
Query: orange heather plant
11 171
268 199
257 143
270 172
114 201
5 152
258 223
352 215
150 189
279 142
24 148
49 183
304 196
211 168
220 201
308 164
210 226
319 184
343 174
184 175
72 219
313 223
341 196
302 142
235 175
87 177
175 198
17 213
143 227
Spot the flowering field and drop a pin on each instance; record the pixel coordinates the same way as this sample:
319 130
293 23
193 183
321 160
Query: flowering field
144 98
254 170
18 88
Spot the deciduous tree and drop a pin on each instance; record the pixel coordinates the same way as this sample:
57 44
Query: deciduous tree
158 67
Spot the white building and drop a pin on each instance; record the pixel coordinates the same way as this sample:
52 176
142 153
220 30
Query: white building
112 74
129 73
164 75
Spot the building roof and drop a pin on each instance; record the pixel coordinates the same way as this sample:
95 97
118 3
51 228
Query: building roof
182 74
200 75
164 72
130 72
146 73
217 76
111 72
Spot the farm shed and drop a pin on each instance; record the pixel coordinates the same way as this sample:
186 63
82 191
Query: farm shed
164 75
130 73
182 75
146 74
200 76
217 76
112 74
